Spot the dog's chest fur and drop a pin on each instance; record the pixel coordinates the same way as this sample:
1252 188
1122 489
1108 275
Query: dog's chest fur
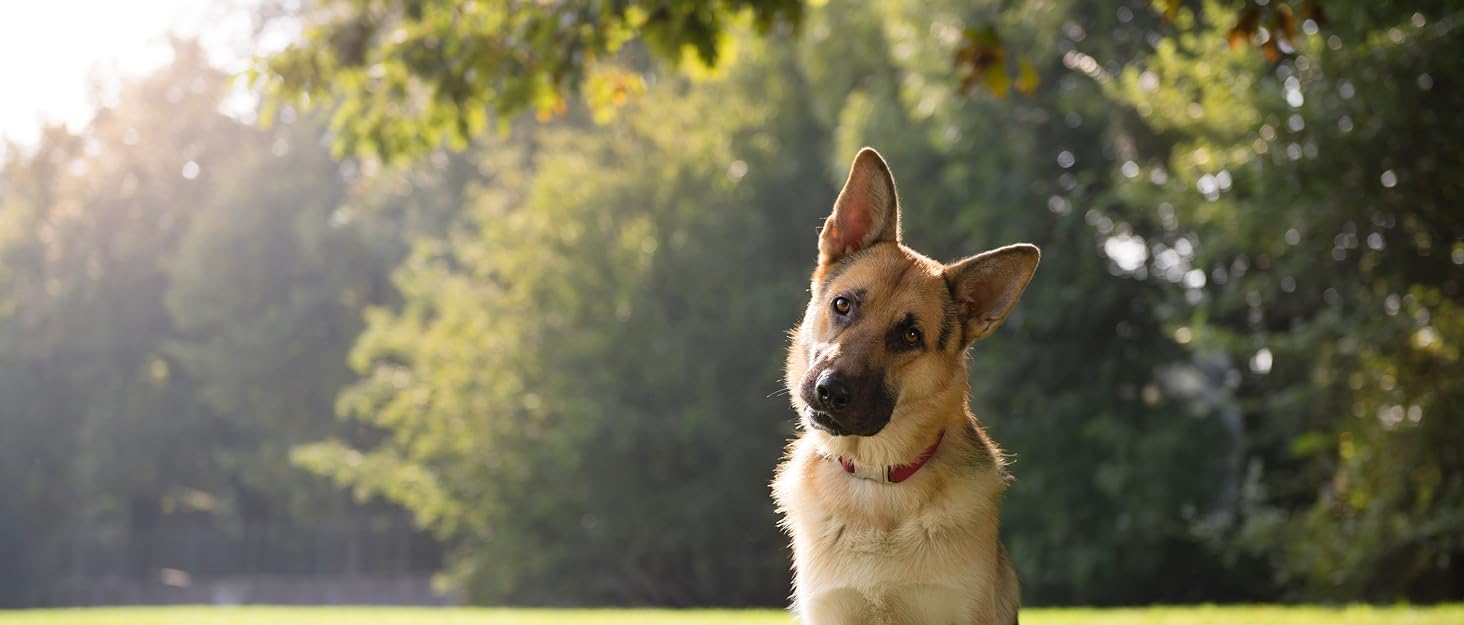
919 551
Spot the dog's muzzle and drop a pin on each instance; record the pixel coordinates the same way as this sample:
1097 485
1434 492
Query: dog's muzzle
847 405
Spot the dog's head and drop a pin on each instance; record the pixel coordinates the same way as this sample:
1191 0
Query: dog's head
882 345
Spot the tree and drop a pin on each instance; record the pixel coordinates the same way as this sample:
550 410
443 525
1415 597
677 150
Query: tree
1319 194
405 76
1108 460
571 261
438 69
555 380
265 293
90 390
180 293
34 435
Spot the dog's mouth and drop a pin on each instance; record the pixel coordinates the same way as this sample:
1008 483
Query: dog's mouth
825 421
847 405
846 426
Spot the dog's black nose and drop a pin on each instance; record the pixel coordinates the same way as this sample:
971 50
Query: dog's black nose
832 391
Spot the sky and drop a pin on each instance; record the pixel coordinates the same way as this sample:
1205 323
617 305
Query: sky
59 57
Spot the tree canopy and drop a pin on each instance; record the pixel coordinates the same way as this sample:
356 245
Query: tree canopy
537 299
1176 388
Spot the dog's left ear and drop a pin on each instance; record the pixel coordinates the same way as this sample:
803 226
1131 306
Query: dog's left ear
987 286
867 211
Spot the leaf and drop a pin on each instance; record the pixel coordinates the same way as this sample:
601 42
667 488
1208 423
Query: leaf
1245 26
1169 9
1271 51
1286 25
610 88
554 108
980 52
1310 444
997 81
1027 79
1236 38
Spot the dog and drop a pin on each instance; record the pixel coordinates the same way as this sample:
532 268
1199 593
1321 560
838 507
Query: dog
890 492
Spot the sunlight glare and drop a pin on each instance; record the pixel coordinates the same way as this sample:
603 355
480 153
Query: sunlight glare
60 59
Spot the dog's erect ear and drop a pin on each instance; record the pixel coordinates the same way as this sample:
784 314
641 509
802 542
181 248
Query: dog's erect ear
986 286
867 211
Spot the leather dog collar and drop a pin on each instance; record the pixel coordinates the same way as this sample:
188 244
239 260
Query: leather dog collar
894 474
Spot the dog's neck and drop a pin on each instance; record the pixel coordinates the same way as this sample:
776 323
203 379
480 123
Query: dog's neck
892 474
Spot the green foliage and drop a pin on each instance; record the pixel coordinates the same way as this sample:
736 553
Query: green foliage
1236 375
610 281
1072 385
557 284
178 302
265 293
404 76
88 388
1324 202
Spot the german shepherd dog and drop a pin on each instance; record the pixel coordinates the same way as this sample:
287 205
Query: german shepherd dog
890 492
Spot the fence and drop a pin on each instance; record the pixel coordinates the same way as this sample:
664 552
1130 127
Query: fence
379 560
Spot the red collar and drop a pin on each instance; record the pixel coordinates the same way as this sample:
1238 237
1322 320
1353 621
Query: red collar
895 474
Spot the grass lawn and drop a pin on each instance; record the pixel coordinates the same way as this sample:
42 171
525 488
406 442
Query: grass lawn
1202 615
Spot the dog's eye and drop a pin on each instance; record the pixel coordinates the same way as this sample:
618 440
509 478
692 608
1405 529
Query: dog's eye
842 305
911 336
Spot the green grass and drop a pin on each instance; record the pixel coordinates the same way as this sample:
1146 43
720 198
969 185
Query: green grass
1202 615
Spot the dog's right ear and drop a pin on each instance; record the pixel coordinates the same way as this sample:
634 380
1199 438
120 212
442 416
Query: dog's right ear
986 286
867 211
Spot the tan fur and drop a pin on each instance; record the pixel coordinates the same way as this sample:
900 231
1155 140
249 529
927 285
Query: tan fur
924 550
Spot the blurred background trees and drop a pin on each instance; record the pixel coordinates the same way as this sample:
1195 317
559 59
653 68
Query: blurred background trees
180 296
1322 200
545 278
